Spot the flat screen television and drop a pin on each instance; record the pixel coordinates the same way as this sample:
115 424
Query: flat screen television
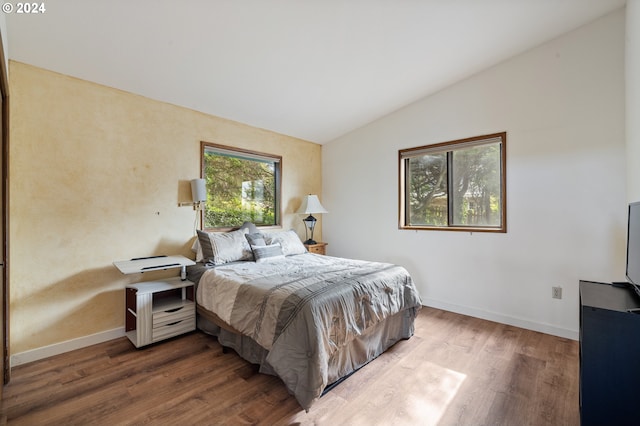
633 246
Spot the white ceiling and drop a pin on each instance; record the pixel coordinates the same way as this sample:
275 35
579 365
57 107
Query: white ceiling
313 69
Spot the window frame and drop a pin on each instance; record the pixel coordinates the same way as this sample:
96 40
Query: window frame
405 154
277 159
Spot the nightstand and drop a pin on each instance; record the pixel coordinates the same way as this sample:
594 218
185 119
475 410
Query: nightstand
158 310
317 248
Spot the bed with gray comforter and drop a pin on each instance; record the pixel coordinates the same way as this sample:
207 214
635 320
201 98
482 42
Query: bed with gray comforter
309 319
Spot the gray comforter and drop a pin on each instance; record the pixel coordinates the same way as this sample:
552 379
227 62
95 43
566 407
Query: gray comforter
304 308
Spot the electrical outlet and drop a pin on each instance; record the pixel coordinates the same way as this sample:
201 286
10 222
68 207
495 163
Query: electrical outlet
556 292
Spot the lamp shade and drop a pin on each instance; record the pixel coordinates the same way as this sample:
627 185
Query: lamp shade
198 190
310 205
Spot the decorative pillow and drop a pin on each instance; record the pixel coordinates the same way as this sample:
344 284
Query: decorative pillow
256 239
289 241
220 248
196 247
267 253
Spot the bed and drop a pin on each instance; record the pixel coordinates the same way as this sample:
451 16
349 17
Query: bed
309 319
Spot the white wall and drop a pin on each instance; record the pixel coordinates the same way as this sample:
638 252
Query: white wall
633 99
562 105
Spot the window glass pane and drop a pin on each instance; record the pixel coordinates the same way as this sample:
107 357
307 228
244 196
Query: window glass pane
427 190
458 185
238 190
475 186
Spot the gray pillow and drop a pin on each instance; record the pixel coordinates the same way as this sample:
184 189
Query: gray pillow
224 247
256 239
267 253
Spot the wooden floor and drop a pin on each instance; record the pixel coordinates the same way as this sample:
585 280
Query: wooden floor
455 370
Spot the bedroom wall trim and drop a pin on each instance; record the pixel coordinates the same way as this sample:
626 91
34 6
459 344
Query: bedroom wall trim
503 319
67 346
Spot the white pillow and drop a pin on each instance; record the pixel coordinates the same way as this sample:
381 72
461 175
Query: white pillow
289 241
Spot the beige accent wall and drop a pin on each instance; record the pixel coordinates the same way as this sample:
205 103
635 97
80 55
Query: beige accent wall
96 176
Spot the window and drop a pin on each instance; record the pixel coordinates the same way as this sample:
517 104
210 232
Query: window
241 186
458 185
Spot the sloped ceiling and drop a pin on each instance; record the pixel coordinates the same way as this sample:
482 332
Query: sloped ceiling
313 69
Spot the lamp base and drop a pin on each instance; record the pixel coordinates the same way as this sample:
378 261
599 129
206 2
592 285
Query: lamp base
310 242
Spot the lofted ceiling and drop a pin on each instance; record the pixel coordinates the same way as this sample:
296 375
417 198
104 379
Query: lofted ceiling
312 69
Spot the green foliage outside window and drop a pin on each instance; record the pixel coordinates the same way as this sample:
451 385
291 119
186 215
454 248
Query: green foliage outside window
456 184
239 188
476 186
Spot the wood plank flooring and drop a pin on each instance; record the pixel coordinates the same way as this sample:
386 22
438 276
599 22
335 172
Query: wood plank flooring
455 370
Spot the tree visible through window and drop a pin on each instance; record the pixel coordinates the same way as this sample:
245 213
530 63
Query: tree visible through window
457 185
241 186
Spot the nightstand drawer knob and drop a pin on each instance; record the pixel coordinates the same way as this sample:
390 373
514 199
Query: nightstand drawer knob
169 311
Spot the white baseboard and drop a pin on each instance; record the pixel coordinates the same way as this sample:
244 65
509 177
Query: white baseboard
504 319
81 342
62 347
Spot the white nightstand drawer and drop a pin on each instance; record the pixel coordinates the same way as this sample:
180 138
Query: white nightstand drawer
174 328
174 314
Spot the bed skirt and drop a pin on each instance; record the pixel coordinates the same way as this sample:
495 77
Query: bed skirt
355 354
